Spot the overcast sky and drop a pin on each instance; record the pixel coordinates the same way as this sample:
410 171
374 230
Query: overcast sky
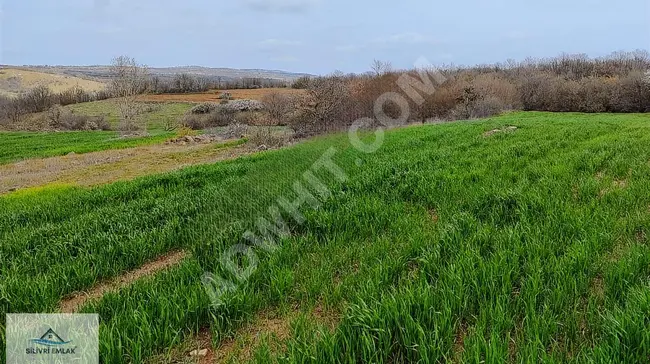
315 36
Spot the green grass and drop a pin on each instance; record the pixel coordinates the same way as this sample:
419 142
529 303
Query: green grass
15 146
156 116
528 246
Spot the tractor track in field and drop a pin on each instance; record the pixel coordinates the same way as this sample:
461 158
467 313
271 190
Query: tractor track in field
77 300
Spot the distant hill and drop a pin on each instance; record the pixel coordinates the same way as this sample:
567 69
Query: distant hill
13 81
102 74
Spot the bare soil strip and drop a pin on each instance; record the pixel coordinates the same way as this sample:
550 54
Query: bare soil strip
267 325
76 301
242 347
109 166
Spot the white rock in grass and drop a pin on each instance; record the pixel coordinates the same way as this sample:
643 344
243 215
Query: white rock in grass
202 352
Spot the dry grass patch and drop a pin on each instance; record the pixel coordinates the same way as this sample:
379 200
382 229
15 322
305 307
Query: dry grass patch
616 184
597 288
434 216
505 129
13 81
109 166
459 342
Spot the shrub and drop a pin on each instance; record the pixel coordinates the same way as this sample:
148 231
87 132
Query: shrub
67 120
246 117
595 95
225 96
265 138
277 105
131 119
442 102
74 95
101 122
221 117
302 123
535 91
14 110
564 95
204 108
194 122
301 83
264 119
218 117
234 130
5 104
633 93
38 99
53 116
498 86
243 105
488 106
325 107
151 107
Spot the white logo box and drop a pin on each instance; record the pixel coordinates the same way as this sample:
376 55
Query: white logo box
52 338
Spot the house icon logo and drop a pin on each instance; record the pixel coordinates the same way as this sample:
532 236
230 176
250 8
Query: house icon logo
50 338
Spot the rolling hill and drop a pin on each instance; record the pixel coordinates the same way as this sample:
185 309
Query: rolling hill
13 81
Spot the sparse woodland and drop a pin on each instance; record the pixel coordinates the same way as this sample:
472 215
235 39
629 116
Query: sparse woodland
619 83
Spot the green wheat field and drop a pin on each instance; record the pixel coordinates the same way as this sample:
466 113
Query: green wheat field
445 245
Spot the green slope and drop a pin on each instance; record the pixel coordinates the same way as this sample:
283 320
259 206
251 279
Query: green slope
523 246
16 146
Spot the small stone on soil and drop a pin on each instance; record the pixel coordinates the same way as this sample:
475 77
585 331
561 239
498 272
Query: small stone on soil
202 352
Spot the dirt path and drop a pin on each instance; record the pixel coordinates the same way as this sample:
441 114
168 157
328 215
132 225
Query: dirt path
109 166
78 300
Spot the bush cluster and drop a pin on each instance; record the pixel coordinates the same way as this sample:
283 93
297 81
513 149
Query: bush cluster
41 98
207 116
617 83
63 119
187 83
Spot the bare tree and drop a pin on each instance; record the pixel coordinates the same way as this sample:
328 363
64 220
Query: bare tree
37 99
54 115
129 79
324 107
184 83
381 68
277 105
6 104
12 109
